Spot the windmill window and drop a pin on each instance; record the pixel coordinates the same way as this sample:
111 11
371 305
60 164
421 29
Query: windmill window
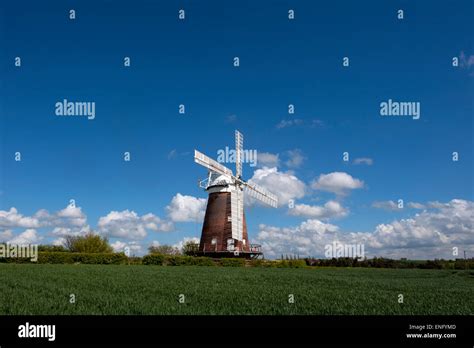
214 241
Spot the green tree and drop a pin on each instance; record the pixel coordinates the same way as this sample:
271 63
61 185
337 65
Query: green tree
190 248
90 243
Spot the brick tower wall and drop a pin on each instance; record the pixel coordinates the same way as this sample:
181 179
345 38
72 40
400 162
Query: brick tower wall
217 225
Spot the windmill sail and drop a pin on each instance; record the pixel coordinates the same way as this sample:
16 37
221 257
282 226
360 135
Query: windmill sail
210 164
237 211
261 194
239 150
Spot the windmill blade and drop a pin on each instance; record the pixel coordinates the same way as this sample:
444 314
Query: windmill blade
261 194
237 211
239 150
210 164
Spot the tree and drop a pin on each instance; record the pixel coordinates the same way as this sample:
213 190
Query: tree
163 249
190 248
90 243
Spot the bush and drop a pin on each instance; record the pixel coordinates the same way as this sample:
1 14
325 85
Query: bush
153 259
163 250
257 263
289 263
85 258
203 261
177 260
57 248
232 262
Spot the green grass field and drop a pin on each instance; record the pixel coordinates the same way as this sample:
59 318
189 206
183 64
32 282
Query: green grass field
46 289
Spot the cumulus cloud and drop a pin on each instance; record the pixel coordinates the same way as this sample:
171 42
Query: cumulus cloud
430 234
306 239
364 160
179 245
330 209
70 217
295 158
29 236
6 235
71 231
386 205
129 225
266 159
284 185
337 182
12 219
134 246
186 208
67 217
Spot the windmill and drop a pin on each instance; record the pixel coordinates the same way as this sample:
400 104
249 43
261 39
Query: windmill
224 231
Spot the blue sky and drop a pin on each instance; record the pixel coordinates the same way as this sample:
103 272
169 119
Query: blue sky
282 62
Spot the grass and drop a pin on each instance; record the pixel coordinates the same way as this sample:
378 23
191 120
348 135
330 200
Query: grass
99 289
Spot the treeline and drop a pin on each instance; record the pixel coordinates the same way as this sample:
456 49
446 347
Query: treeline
183 260
66 257
380 262
94 249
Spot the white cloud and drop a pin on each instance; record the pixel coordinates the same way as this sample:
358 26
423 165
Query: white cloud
179 245
336 182
154 223
6 235
70 219
295 158
59 241
155 243
29 236
71 216
128 224
306 239
186 208
12 219
415 205
364 160
331 209
289 123
386 205
393 206
284 185
134 246
430 234
71 231
266 159
118 246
